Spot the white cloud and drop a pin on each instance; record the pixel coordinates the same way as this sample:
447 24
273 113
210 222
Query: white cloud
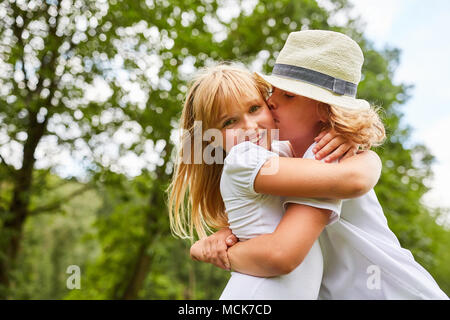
378 15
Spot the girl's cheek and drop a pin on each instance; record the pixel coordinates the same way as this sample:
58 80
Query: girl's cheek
229 140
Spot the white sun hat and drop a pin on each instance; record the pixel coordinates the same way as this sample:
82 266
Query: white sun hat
321 65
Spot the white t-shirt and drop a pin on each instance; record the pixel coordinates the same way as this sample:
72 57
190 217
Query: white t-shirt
251 214
363 258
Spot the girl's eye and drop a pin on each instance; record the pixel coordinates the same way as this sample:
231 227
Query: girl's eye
254 108
228 122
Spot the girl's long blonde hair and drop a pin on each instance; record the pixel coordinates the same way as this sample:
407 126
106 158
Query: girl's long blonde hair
195 203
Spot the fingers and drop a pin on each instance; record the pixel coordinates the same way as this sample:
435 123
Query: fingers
350 153
217 254
231 240
211 250
223 257
321 135
223 232
339 152
331 145
322 142
195 251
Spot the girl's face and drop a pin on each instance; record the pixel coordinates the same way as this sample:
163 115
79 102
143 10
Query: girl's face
297 117
251 120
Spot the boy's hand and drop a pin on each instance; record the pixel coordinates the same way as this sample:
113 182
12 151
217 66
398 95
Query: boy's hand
213 249
332 146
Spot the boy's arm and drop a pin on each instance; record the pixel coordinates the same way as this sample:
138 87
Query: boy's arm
283 250
310 178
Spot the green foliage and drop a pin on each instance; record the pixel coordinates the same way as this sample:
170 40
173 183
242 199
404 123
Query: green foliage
53 242
117 232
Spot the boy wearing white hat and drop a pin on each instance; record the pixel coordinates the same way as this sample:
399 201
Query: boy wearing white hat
363 259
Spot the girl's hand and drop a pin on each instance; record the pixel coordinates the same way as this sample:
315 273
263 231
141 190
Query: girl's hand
213 249
332 146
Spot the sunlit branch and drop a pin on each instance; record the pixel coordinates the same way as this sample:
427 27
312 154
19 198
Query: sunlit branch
57 204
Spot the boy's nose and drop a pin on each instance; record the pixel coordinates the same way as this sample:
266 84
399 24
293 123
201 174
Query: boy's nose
271 104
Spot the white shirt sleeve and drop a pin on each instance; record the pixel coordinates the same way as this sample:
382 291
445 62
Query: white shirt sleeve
334 205
241 166
283 148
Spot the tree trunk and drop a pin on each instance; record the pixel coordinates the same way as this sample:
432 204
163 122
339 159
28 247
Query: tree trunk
143 261
140 272
12 228
19 207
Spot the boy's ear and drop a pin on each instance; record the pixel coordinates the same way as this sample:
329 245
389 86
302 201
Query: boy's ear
323 110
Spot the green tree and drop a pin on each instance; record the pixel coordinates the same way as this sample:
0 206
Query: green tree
51 52
52 242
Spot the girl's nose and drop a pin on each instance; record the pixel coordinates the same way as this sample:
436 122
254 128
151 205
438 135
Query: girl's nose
250 123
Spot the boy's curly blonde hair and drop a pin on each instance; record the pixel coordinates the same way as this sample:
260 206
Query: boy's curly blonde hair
363 127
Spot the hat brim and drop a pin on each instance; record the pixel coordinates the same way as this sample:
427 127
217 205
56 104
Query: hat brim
315 92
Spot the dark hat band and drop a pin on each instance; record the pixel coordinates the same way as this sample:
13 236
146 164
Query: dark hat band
325 81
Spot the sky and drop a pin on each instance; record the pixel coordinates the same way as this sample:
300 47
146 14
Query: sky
420 30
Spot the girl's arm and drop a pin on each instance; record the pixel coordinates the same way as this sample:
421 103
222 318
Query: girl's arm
310 178
283 250
352 177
